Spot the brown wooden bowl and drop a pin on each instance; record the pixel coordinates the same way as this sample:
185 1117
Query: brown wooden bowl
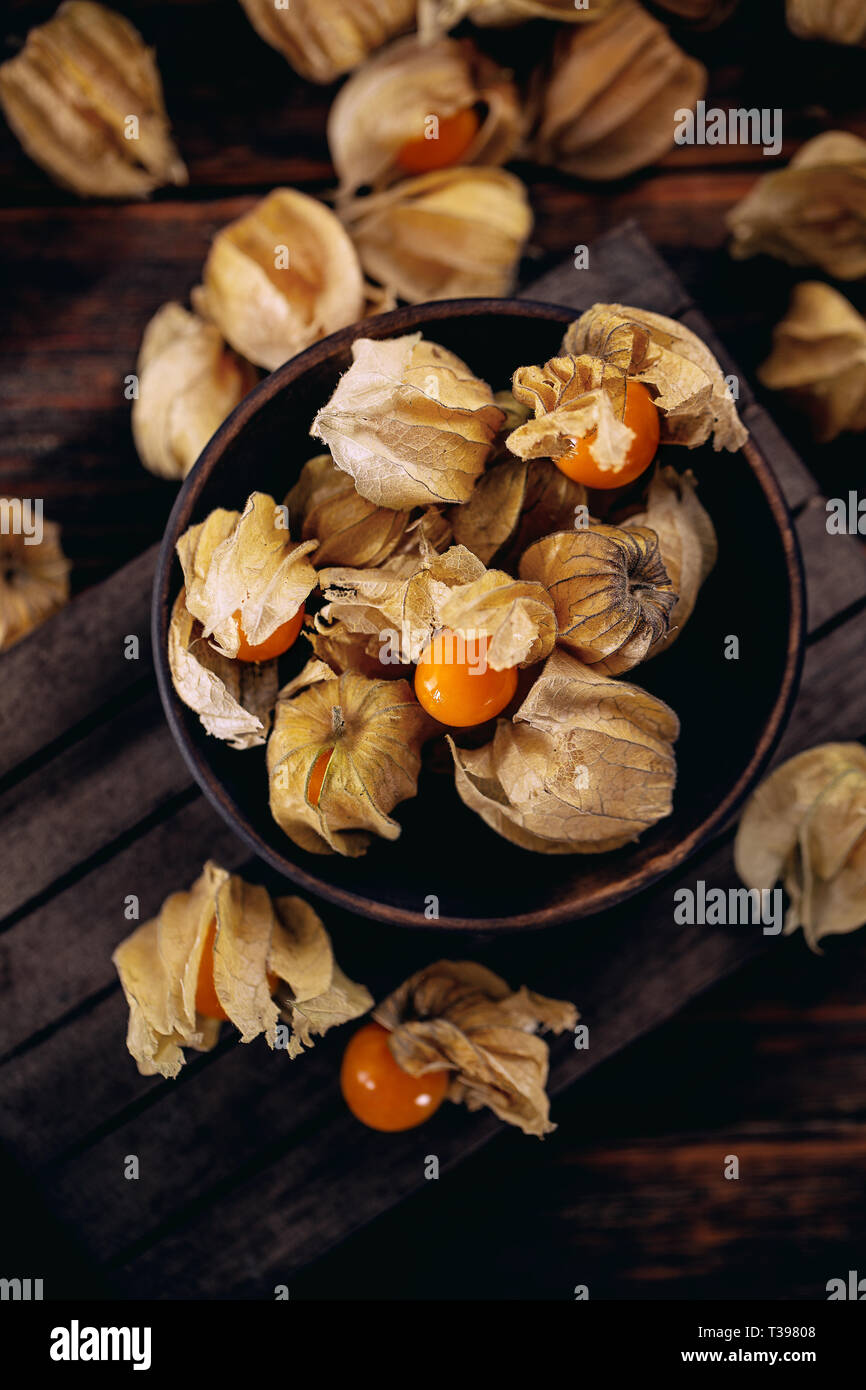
732 711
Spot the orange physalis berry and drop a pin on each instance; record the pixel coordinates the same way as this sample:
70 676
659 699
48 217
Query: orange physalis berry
454 683
206 1001
455 135
377 1090
317 776
275 645
641 416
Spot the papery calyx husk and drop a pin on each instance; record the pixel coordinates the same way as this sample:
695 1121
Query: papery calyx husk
838 21
586 765
688 385
280 277
811 213
71 95
233 699
608 105
819 359
374 728
398 615
572 397
514 503
256 942
449 234
392 99
687 542
244 562
438 16
34 575
409 422
806 825
324 38
189 381
612 593
459 1017
325 506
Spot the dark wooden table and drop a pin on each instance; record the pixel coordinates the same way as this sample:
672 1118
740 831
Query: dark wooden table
628 1195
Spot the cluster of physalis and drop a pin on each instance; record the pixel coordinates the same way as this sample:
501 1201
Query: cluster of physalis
226 951
446 566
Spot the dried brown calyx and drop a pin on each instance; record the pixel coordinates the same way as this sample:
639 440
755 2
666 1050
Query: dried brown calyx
416 107
245 576
686 539
322 39
85 99
571 397
448 234
233 699
806 825
226 951
325 506
586 765
819 360
607 105
345 750
409 422
612 594
34 573
281 277
811 213
688 385
838 21
189 381
459 1017
514 503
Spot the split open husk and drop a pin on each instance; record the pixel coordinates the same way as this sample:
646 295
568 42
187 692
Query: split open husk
811 213
459 1017
375 729
34 579
572 397
233 699
390 100
838 21
189 381
325 506
612 594
607 105
687 542
806 825
256 937
688 385
586 765
244 563
819 360
449 234
84 97
280 277
514 503
409 422
324 38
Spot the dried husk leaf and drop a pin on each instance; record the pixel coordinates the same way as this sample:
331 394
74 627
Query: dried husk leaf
459 1017
409 422
688 385
324 38
438 16
325 506
449 234
806 825
811 213
514 503
612 593
34 579
586 765
233 699
189 382
281 277
819 360
255 937
573 397
244 562
375 728
838 21
608 104
69 94
387 103
687 542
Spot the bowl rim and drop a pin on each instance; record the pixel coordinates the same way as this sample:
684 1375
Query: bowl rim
405 319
